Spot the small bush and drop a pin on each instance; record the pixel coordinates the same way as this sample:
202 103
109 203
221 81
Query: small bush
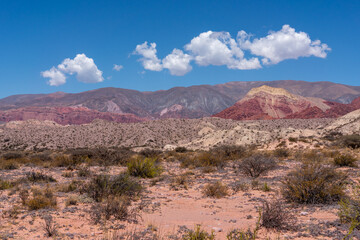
275 216
150 153
50 227
144 167
113 207
229 152
180 149
240 186
9 165
5 184
345 160
40 200
216 190
12 155
204 159
256 165
350 141
266 187
39 177
84 172
314 183
180 182
102 186
198 234
72 200
281 153
349 211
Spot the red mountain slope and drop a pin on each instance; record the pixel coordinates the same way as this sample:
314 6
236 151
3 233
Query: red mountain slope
271 103
65 115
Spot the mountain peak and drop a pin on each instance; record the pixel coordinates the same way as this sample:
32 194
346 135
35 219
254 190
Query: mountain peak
270 90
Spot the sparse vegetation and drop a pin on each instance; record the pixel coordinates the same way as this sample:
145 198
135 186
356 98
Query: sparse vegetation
314 183
40 199
256 165
103 186
275 216
216 190
350 141
50 227
144 167
345 160
39 177
198 234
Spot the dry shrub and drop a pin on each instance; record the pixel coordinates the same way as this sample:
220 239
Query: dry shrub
275 216
39 177
144 167
350 141
180 182
240 186
41 199
313 183
50 227
72 200
229 152
9 164
103 186
203 159
257 165
346 160
150 153
180 149
84 171
12 155
281 153
216 190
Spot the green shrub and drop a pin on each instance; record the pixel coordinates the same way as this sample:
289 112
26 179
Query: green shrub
349 211
144 167
5 184
313 183
198 234
216 190
257 165
345 160
84 172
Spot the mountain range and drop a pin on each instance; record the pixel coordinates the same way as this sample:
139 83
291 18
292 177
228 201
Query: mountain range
124 105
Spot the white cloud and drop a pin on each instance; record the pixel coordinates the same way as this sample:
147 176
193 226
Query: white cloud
118 67
177 62
85 69
57 78
220 49
149 60
282 45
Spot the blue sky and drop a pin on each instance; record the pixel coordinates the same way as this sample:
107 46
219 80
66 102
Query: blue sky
38 35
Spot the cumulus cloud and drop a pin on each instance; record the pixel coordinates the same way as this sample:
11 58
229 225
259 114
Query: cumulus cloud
149 60
118 67
85 69
282 45
57 78
177 62
220 49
